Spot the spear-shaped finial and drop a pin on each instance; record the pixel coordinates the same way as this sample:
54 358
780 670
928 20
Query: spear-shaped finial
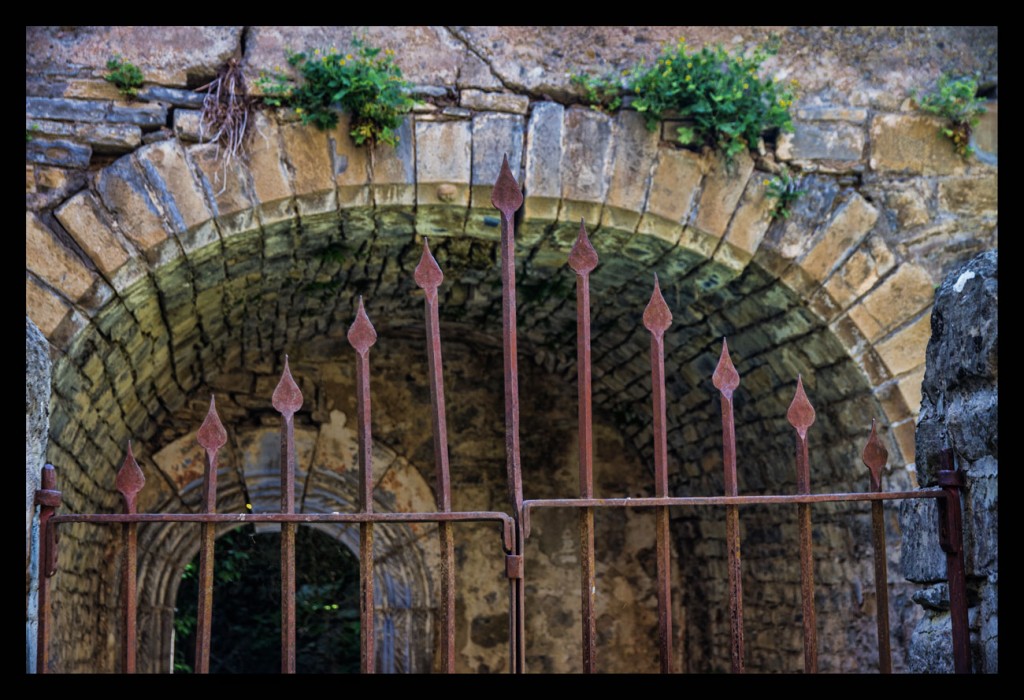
130 479
657 317
212 435
582 257
875 456
801 413
725 378
428 273
507 196
287 397
361 334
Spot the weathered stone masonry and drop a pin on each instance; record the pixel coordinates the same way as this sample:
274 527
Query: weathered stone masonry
158 276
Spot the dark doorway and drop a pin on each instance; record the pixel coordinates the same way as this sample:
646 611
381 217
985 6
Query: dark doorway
247 605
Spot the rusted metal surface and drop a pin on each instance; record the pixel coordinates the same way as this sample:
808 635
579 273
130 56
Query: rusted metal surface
48 498
429 277
361 336
129 482
801 417
726 379
874 457
507 197
287 399
583 260
211 437
657 319
951 539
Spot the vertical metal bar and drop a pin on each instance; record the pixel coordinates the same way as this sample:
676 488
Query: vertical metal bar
287 400
211 437
428 277
726 379
361 335
583 260
874 457
657 319
801 417
48 498
130 481
951 538
507 197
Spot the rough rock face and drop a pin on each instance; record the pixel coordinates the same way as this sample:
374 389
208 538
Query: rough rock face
959 409
37 413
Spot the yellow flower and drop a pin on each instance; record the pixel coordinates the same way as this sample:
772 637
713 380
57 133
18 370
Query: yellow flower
682 40
687 78
348 57
765 183
341 62
689 64
745 86
298 110
316 52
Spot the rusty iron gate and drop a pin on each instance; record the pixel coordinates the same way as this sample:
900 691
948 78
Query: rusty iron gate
507 197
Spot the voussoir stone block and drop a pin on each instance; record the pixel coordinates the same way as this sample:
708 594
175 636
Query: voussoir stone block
80 217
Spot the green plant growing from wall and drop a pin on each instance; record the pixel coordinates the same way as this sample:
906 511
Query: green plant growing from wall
785 190
125 75
956 100
366 83
603 93
729 104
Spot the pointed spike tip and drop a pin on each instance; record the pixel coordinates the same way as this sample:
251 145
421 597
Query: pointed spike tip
287 398
582 257
657 317
212 435
801 413
361 334
428 273
130 478
507 196
725 378
875 455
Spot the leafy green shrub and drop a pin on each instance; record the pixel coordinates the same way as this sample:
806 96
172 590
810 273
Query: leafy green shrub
367 84
785 190
603 93
730 105
125 75
956 101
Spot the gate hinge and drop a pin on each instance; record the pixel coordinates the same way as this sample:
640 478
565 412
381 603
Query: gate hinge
514 565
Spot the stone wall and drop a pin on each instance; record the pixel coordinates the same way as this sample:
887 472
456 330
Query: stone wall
158 276
960 410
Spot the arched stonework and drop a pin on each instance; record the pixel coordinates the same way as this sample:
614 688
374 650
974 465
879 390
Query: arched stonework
169 277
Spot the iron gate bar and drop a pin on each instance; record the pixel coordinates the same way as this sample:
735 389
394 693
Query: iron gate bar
726 379
211 437
428 277
287 399
507 197
48 498
657 318
361 335
583 260
874 457
951 539
129 482
801 417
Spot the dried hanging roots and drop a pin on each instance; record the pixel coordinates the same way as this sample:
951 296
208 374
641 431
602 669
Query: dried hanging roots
224 119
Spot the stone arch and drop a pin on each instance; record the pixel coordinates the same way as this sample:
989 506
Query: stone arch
405 576
173 271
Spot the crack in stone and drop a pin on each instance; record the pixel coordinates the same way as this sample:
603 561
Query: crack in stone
507 84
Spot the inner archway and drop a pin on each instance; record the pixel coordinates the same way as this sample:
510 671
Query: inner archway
246 622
